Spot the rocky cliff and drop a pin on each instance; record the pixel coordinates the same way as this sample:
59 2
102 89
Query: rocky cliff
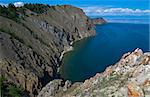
30 49
130 77
98 21
32 45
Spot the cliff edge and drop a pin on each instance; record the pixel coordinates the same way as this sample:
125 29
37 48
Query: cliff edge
130 77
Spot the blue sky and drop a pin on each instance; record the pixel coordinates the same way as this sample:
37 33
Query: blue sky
105 8
134 4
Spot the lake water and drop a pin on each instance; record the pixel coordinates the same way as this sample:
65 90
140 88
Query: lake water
94 54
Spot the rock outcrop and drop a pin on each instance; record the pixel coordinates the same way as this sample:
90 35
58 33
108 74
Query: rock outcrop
98 21
130 77
30 49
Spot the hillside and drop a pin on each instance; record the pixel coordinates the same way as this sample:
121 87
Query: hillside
32 39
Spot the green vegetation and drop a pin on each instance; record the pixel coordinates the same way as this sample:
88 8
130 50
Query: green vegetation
9 89
9 12
14 91
15 13
2 79
37 8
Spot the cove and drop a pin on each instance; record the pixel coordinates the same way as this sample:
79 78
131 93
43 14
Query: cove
94 54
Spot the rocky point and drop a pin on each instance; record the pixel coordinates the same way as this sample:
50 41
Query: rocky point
130 77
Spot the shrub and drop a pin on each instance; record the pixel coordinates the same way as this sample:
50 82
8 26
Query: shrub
14 91
14 13
37 8
9 89
9 12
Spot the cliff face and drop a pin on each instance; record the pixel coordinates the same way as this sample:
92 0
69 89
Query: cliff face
98 21
130 77
30 50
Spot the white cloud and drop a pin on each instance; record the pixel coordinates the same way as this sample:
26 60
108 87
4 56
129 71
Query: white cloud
114 11
18 4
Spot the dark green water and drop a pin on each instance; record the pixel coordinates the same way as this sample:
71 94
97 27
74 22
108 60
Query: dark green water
94 54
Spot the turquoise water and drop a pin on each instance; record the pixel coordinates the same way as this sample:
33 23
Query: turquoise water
94 54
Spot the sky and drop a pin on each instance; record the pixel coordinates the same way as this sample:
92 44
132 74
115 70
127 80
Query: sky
107 8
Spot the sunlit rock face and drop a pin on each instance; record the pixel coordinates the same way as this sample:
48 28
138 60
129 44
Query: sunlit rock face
130 77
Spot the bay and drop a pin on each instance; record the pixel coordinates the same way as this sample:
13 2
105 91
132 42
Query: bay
94 54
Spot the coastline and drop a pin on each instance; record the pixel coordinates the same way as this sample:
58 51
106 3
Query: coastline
95 21
70 48
66 49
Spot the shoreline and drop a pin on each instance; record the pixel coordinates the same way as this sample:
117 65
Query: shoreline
70 48
66 49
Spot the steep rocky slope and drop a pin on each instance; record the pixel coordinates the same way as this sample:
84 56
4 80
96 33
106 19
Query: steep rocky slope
130 77
30 49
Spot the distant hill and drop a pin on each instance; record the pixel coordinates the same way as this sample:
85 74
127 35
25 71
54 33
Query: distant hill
98 21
